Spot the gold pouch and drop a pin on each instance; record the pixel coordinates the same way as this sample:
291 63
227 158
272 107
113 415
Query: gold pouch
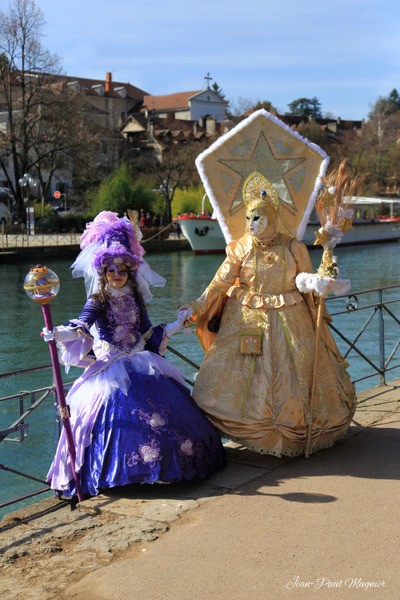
250 341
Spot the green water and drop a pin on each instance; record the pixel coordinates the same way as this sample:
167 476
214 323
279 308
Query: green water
187 276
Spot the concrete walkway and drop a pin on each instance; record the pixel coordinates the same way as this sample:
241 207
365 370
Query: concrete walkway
262 528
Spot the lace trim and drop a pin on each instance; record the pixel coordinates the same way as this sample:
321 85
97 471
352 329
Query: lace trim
292 453
108 347
118 292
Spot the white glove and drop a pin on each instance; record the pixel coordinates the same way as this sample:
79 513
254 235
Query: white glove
47 335
60 334
185 314
64 334
172 328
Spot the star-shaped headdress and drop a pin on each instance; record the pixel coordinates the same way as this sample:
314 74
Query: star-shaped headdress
262 143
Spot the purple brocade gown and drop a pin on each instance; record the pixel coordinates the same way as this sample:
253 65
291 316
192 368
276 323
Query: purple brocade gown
132 416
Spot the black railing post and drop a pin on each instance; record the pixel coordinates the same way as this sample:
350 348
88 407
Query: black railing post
382 375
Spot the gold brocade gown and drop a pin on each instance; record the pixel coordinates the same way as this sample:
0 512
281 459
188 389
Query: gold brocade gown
256 378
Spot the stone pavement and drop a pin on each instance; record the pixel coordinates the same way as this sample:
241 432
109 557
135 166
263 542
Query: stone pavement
262 528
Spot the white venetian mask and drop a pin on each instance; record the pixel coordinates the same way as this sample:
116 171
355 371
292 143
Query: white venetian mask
257 222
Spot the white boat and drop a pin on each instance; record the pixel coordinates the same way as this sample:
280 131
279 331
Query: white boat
203 233
376 220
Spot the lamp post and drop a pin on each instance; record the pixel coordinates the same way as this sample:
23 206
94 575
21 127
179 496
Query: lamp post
27 181
42 285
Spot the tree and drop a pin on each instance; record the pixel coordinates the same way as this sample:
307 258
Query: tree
380 144
119 193
43 131
313 132
266 104
386 105
173 169
306 107
240 106
61 141
215 88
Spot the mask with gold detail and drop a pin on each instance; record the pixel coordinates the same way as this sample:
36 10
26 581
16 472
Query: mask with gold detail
261 200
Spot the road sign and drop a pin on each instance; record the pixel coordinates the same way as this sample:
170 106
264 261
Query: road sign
57 194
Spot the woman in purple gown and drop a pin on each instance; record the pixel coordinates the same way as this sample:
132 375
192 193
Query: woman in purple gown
132 416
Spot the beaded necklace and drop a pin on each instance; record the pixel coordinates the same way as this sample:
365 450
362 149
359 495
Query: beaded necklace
263 246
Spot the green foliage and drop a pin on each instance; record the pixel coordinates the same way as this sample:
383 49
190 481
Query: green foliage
188 200
306 107
385 106
119 193
42 211
157 205
54 223
48 221
215 88
266 104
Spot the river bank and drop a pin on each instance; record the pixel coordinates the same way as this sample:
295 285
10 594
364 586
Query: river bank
249 531
66 245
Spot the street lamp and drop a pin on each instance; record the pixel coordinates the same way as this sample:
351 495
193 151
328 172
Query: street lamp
26 182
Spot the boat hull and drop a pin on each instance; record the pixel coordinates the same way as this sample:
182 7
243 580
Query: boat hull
205 235
361 233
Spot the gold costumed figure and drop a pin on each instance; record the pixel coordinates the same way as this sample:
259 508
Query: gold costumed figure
259 382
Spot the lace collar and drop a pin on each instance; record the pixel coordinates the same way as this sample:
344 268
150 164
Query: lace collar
119 292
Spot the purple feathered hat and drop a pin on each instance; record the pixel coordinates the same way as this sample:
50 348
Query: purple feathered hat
118 240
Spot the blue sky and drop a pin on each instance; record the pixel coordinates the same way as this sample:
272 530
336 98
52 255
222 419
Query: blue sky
345 52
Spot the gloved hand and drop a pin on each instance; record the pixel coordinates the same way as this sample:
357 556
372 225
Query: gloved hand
47 335
60 334
64 334
185 314
172 328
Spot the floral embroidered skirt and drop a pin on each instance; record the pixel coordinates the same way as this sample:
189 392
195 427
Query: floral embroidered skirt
135 422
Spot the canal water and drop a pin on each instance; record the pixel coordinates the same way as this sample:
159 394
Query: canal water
187 275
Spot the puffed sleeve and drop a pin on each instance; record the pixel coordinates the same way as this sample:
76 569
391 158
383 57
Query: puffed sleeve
223 280
74 340
301 256
210 304
304 266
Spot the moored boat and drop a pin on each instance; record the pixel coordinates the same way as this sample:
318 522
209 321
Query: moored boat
203 233
375 220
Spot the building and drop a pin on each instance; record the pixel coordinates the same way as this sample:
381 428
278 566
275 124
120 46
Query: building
186 106
121 114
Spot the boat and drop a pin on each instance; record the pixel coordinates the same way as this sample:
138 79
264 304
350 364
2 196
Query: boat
376 220
202 232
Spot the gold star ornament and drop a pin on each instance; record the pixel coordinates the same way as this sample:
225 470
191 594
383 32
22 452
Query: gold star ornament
290 163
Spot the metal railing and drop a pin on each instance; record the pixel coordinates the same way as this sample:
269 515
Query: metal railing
377 308
378 356
26 402
10 241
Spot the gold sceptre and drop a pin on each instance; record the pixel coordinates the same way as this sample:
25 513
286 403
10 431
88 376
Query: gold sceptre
334 210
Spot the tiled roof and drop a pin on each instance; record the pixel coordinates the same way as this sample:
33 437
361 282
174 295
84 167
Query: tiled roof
86 85
168 101
131 90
